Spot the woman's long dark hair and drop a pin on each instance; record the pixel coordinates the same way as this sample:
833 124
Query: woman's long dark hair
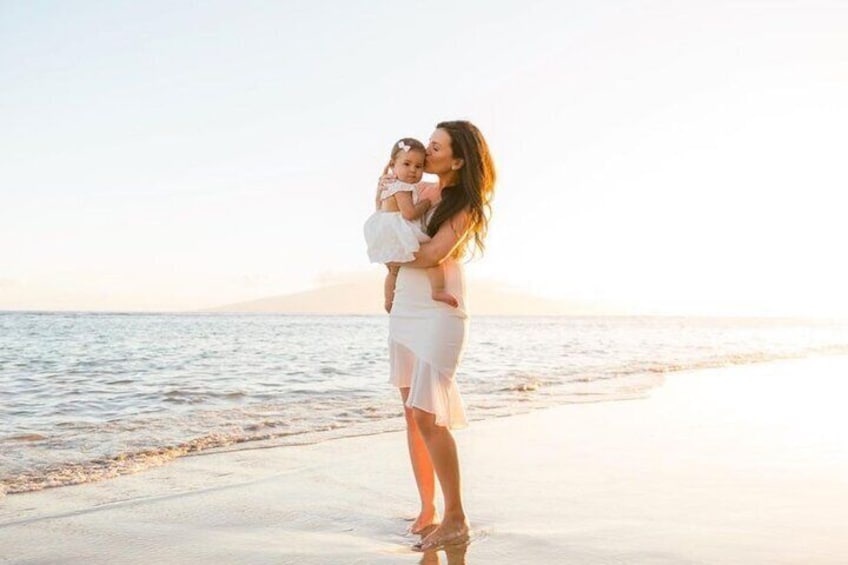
475 186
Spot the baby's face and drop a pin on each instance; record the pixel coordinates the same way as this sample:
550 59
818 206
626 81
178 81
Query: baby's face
409 166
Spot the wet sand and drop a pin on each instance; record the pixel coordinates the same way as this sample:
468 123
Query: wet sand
744 465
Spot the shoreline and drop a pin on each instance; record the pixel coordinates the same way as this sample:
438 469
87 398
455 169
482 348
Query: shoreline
742 464
143 460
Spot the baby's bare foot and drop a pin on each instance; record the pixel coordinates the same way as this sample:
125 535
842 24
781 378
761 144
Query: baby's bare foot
446 297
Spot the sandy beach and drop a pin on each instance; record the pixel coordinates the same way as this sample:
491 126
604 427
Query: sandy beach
746 464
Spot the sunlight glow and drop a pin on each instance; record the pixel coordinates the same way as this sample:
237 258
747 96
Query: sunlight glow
683 159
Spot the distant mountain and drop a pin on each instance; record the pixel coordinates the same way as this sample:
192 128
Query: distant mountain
365 296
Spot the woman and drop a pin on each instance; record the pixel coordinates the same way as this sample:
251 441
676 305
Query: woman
426 337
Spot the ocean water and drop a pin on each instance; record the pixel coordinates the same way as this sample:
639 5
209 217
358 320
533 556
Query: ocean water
88 396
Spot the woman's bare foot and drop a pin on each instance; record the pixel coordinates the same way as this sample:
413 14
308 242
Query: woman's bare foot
425 523
446 297
425 530
448 533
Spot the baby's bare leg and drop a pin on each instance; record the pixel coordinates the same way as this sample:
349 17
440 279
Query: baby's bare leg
437 286
389 289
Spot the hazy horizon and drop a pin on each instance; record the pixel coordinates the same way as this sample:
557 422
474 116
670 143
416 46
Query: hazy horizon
362 296
655 158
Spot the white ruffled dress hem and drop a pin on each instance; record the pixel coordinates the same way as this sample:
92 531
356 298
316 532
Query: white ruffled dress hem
430 389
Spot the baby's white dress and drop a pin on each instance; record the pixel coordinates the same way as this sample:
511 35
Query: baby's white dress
389 236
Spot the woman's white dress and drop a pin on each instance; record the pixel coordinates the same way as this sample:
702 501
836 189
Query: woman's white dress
389 236
426 340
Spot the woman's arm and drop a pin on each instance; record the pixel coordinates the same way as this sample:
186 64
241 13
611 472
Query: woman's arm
385 179
447 239
378 202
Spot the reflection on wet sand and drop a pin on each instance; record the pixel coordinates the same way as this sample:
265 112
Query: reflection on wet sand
455 555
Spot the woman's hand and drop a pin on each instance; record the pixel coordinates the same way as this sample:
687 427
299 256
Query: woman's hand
387 178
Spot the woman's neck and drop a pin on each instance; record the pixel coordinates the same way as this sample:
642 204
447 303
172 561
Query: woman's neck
447 179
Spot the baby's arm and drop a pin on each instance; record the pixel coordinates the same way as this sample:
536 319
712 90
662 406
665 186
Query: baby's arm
408 210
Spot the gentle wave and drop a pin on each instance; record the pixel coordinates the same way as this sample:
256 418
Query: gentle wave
125 463
525 392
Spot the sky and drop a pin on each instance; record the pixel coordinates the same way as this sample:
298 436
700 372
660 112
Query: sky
653 157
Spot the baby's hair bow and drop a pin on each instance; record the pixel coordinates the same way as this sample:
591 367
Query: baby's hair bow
404 146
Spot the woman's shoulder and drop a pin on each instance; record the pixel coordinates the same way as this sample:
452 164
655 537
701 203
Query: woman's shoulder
425 187
459 221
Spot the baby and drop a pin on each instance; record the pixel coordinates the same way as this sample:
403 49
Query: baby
393 233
